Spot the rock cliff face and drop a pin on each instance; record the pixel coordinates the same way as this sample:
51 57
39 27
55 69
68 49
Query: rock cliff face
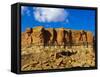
26 37
55 36
60 36
56 48
38 35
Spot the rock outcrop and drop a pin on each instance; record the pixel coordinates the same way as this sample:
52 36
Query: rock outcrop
90 37
56 48
55 36
50 36
26 38
38 36
60 36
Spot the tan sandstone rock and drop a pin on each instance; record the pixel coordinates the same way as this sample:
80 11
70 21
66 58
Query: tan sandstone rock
60 36
38 36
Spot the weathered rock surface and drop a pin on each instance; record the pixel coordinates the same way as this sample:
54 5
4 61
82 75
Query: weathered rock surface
60 36
49 36
90 37
57 58
56 48
56 36
38 36
26 38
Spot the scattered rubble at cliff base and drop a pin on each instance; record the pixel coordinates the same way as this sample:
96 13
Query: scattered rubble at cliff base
56 48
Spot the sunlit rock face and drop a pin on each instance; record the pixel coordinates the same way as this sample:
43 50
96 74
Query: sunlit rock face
38 36
56 48
60 36
90 37
26 38
55 36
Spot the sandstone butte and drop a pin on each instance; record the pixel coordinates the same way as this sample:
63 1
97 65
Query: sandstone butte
55 36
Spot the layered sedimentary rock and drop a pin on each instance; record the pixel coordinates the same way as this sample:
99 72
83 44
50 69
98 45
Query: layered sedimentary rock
55 36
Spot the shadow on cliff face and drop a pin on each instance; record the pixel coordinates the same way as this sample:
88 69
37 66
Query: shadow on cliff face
47 36
50 38
57 37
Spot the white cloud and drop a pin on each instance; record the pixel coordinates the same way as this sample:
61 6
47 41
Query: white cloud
25 10
50 14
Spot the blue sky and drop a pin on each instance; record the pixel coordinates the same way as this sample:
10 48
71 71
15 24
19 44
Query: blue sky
54 17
